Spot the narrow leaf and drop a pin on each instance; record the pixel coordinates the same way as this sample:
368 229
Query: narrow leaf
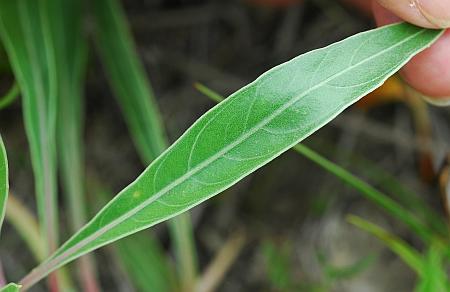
409 255
369 192
128 78
395 209
433 276
25 31
10 96
246 131
70 47
4 184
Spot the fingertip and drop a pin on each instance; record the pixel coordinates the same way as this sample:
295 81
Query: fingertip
436 12
429 72
382 15
414 11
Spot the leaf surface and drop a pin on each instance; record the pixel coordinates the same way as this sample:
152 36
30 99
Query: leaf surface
246 131
25 32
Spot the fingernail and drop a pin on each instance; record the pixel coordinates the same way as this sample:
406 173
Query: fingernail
436 12
441 101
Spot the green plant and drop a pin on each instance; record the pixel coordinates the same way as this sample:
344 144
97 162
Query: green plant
279 109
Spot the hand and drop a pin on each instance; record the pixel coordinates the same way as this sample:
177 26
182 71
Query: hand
429 72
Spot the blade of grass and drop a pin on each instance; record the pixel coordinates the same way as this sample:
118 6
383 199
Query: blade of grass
146 263
369 192
26 226
25 31
182 236
434 277
128 79
409 255
404 195
71 59
10 96
246 131
208 92
133 90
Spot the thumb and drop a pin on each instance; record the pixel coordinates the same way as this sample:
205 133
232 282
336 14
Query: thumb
426 13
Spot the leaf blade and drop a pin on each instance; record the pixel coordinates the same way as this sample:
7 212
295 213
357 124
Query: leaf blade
25 31
219 149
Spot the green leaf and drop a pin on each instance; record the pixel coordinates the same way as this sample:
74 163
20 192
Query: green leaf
11 288
433 276
246 131
71 56
4 184
25 31
70 50
382 200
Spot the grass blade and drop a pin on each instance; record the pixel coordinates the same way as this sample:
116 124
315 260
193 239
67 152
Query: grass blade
128 79
246 131
10 96
26 226
71 55
369 192
433 276
133 90
25 32
146 263
410 256
4 183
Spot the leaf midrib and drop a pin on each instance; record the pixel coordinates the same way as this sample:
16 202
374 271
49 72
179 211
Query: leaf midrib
69 252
